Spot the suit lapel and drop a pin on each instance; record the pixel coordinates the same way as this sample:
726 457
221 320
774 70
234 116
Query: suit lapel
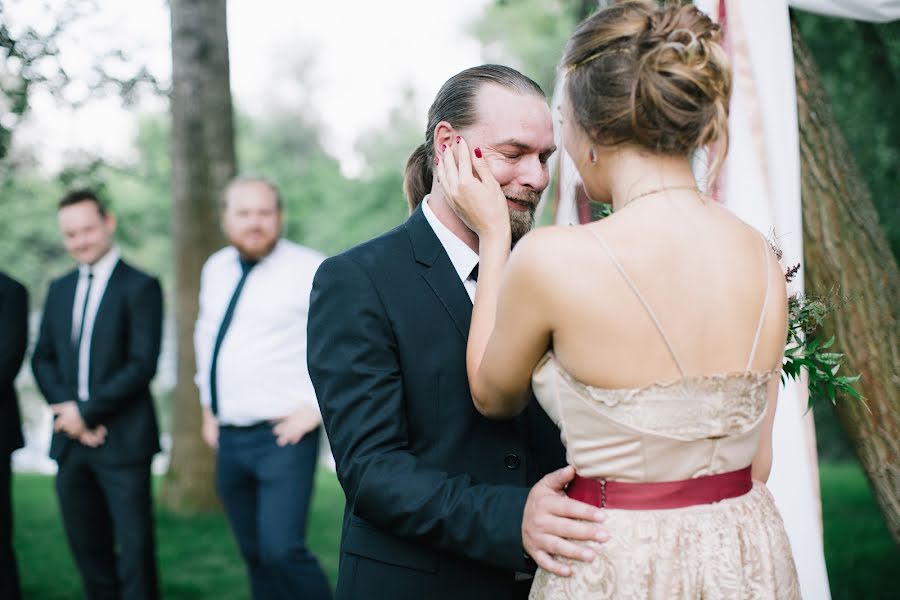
67 304
438 271
103 310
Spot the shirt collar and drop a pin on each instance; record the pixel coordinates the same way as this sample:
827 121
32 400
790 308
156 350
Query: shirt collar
104 266
463 258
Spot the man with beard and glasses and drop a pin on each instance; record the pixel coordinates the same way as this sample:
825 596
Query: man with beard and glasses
439 499
259 407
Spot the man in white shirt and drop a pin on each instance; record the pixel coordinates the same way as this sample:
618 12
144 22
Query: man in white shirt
259 406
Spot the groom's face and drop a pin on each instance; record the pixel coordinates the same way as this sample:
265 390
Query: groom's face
515 134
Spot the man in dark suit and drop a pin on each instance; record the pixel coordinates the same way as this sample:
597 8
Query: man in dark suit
438 501
13 341
95 356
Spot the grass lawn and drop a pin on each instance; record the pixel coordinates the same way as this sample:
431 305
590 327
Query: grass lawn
199 559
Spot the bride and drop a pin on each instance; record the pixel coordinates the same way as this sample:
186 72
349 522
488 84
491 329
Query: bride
657 348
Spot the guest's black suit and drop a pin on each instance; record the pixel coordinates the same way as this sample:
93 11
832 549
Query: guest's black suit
435 492
123 357
13 341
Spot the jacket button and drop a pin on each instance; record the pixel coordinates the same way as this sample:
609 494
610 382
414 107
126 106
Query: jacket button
512 461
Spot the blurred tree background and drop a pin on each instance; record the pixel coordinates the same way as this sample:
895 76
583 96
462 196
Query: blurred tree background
860 63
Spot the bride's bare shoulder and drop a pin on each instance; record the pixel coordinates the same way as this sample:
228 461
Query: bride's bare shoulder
541 252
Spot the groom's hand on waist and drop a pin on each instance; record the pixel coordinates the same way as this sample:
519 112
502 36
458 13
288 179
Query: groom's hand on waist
553 523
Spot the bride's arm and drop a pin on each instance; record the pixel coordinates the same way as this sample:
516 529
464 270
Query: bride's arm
774 347
762 462
510 330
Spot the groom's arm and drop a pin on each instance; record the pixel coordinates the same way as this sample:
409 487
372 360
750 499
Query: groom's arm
353 363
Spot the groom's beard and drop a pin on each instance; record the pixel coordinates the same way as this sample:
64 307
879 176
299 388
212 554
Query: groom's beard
522 221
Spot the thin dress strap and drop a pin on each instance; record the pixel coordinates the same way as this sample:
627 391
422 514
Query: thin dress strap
762 314
637 293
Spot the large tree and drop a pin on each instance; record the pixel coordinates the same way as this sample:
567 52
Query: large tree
203 160
846 249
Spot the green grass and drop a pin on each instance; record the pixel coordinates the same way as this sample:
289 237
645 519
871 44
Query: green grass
862 559
199 559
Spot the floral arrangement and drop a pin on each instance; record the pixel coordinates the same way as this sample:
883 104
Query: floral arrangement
805 349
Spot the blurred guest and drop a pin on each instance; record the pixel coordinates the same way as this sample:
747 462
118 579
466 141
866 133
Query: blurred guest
95 356
14 339
259 407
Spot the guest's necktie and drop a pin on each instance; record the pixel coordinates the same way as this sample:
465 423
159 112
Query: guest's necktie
87 296
473 275
76 339
246 265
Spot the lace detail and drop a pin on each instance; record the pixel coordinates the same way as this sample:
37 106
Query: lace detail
690 407
736 548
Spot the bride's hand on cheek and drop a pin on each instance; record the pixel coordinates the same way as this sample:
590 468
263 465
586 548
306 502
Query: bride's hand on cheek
472 192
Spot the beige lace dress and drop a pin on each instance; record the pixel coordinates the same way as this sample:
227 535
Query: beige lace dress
687 428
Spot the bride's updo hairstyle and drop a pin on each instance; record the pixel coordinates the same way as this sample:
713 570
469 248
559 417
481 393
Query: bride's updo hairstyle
654 77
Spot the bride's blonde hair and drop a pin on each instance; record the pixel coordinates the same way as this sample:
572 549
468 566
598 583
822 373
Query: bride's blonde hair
655 77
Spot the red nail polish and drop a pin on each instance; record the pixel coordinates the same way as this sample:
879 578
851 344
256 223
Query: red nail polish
443 147
477 152
457 139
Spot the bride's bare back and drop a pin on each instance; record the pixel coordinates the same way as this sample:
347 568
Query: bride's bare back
701 271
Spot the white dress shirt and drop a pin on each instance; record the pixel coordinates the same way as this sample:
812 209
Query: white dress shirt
463 258
261 368
101 271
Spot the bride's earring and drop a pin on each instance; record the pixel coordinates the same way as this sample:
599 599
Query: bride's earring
592 155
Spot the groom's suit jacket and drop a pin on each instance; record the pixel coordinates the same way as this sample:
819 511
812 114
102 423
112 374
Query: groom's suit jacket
434 491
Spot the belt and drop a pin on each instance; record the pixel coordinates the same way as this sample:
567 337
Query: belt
661 495
249 427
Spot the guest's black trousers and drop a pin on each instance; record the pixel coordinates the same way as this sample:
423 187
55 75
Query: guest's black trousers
9 574
107 512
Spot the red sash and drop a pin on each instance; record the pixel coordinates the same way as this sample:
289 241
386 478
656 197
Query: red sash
663 494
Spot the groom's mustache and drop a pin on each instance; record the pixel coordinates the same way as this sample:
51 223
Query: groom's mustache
531 198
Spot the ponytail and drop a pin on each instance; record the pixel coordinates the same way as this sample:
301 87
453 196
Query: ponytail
417 178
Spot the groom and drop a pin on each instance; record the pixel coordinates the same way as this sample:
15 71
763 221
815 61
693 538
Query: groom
438 501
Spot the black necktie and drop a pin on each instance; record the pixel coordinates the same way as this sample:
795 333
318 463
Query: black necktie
246 265
76 340
84 307
473 275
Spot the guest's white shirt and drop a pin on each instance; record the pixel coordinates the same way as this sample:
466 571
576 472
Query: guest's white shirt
463 258
261 366
101 271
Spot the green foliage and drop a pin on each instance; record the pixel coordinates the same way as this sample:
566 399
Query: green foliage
323 208
528 35
30 59
198 557
806 351
860 553
30 245
860 67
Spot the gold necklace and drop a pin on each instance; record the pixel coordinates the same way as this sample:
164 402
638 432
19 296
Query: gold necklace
658 190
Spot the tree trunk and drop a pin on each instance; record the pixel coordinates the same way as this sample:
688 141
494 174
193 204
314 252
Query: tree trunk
846 249
203 160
